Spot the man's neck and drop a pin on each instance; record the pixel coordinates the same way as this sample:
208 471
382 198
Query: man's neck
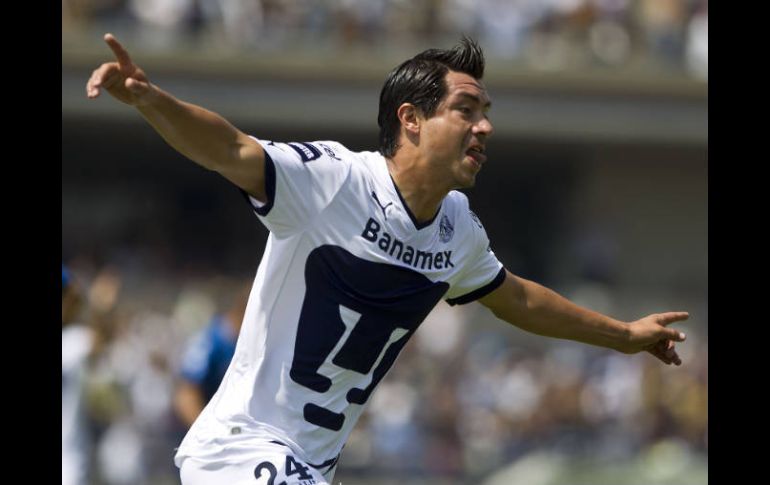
417 187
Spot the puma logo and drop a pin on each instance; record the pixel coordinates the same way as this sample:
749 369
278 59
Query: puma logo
384 214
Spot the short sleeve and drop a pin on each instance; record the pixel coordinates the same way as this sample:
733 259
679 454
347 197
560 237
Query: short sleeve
483 272
301 179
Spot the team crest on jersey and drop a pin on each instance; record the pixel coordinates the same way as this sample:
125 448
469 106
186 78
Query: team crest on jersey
445 229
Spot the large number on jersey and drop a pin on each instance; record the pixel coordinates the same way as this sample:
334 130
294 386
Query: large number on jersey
293 467
357 316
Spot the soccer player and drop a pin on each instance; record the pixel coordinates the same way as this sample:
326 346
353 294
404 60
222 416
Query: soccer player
362 245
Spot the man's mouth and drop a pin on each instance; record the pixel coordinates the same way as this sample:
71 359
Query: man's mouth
476 152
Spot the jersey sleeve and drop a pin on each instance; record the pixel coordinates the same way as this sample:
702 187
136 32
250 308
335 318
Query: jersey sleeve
483 273
301 179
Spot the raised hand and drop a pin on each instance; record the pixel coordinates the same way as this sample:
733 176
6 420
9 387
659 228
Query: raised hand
122 79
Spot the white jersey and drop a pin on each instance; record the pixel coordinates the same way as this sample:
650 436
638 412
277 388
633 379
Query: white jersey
346 278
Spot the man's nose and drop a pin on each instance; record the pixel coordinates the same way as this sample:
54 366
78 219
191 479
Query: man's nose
484 127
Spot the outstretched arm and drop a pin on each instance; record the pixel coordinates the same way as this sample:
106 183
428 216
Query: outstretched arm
197 133
539 310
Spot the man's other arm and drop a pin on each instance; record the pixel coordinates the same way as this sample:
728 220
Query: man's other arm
537 309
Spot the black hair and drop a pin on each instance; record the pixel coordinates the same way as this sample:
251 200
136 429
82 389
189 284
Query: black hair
421 81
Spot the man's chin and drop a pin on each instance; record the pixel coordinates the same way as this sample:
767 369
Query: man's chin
467 182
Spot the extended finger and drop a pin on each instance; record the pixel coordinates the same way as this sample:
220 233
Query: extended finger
121 54
671 317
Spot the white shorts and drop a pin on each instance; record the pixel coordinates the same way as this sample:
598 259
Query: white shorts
276 466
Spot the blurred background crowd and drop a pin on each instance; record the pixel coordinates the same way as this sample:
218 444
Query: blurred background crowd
595 189
468 400
667 35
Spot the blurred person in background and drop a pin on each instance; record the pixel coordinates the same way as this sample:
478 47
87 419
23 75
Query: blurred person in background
130 386
362 246
92 399
207 358
76 344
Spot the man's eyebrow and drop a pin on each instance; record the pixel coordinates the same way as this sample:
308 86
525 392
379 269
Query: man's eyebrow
476 99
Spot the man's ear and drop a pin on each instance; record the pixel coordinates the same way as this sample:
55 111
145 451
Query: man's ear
409 118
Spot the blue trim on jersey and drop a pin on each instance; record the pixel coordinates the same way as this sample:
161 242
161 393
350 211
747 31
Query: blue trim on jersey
418 225
479 292
269 187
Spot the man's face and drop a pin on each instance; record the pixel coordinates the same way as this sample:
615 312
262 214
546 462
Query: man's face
455 137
